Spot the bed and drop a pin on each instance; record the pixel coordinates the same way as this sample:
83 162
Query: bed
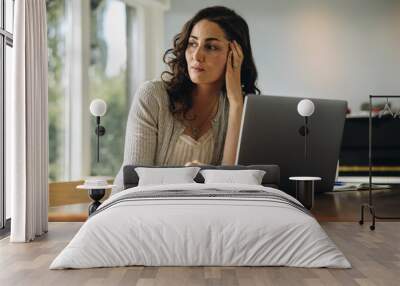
198 224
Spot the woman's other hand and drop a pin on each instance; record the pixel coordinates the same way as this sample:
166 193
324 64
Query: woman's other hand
232 75
193 163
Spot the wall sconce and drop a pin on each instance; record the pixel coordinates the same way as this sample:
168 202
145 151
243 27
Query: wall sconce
305 108
98 108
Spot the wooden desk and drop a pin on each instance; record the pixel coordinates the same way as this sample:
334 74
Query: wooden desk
66 203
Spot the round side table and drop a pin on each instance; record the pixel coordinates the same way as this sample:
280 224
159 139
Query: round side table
96 193
305 187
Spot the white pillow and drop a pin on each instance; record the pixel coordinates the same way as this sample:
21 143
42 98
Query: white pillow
248 177
163 176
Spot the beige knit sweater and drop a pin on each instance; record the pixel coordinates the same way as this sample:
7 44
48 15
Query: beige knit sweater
152 131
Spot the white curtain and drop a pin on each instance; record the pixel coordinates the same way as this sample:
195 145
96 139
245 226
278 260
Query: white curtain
26 127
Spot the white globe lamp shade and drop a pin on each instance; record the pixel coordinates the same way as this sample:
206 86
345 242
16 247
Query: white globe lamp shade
305 107
98 107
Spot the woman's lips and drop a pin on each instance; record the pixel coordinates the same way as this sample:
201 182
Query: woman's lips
197 69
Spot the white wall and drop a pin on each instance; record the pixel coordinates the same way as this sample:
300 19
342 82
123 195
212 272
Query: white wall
338 49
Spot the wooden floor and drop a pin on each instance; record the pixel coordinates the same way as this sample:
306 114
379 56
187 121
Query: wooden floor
345 206
375 257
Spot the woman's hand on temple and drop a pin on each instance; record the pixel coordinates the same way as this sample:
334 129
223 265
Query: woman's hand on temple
235 97
232 75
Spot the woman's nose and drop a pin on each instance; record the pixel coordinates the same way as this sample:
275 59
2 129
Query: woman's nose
198 54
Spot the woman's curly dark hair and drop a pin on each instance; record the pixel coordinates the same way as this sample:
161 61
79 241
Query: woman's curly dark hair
178 85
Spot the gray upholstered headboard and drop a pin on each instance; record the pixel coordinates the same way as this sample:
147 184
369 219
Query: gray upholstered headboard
270 179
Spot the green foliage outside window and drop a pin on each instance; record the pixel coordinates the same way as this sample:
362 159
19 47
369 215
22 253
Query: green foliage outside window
112 91
111 88
55 42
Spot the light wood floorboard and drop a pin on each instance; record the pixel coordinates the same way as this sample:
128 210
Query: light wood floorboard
375 257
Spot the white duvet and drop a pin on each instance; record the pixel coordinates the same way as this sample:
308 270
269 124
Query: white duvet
200 231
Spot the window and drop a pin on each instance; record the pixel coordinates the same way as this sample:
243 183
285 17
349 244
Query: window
9 19
6 43
56 54
87 43
108 81
97 49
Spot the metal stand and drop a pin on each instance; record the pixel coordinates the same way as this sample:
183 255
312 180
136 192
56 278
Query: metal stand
100 131
305 193
96 195
305 187
370 205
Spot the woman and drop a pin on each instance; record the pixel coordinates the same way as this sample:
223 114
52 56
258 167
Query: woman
193 115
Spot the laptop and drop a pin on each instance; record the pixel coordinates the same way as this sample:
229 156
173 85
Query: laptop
271 134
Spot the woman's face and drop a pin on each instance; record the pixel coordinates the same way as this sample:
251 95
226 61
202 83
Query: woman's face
206 53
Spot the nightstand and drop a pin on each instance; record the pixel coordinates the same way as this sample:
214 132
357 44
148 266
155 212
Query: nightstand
96 187
305 190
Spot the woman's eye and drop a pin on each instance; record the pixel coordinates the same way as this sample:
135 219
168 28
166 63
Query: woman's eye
211 47
207 47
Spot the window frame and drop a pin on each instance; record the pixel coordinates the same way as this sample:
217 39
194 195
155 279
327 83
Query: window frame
6 39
